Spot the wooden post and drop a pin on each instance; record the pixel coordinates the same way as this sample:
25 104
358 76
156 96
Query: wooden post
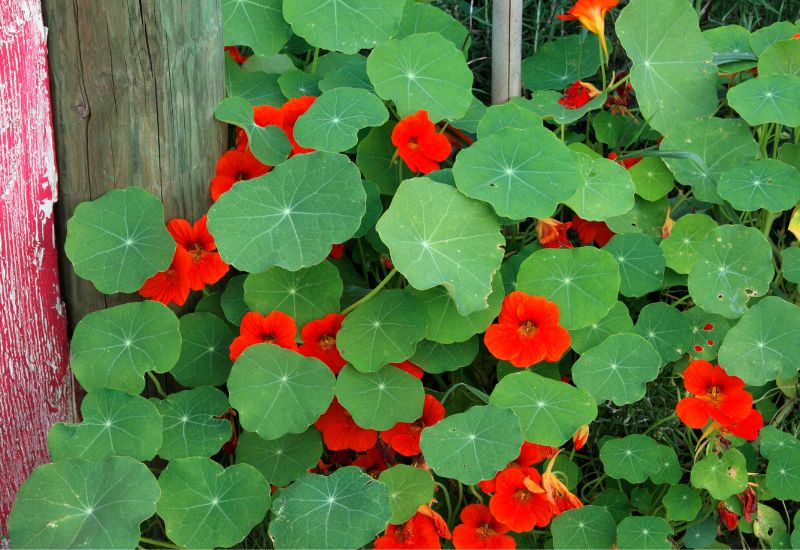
134 86
35 391
506 50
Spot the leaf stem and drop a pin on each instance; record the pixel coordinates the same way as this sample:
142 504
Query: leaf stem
160 543
372 293
157 384
768 221
603 61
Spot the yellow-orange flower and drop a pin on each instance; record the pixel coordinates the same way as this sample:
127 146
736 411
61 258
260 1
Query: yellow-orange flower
557 493
580 437
591 14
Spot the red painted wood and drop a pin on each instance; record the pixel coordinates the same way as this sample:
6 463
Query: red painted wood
35 389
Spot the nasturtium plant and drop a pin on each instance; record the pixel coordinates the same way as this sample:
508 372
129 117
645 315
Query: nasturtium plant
643 532
379 400
204 361
268 143
721 475
281 460
632 458
193 423
409 488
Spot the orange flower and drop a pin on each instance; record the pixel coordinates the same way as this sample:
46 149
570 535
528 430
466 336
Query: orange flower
419 144
319 340
716 394
172 285
552 233
578 94
591 14
589 232
340 432
206 267
403 437
625 163
479 529
236 55
422 530
410 368
290 112
276 328
747 428
527 332
374 461
728 518
557 493
233 167
520 502
580 437
529 454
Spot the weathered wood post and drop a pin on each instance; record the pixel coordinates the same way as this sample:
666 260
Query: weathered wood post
34 389
506 50
134 86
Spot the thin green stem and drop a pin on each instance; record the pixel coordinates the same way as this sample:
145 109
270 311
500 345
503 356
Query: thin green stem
446 498
159 543
775 140
157 384
603 62
768 221
314 61
372 293
476 494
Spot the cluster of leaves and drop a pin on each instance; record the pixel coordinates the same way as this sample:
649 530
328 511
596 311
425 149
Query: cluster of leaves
695 258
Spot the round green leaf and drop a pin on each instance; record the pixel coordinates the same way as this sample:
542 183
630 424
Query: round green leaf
645 217
190 424
545 104
281 460
384 330
765 343
791 264
560 62
614 502
768 184
771 439
269 144
232 300
375 157
721 475
682 503
422 71
473 445
513 114
257 88
204 505
607 190
437 358
521 173
680 248
333 121
652 178
344 25
583 282
258 24
734 265
615 130
667 330
119 240
727 40
297 83
374 208
212 303
763 38
204 358
616 321
431 245
114 424
701 535
304 295
584 528
644 533
350 71
617 369
409 488
114 347
278 391
641 263
549 411
346 509
291 216
632 458
419 17
782 57
708 332
77 503
765 99
671 471
379 400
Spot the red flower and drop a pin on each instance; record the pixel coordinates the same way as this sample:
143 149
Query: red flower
410 368
520 502
747 428
589 232
626 163
749 502
340 432
403 437
276 328
172 285
374 461
580 436
529 454
291 111
527 332
236 55
716 395
552 233
728 518
422 530
578 94
591 14
233 167
337 251
319 340
419 144
557 493
206 267
479 529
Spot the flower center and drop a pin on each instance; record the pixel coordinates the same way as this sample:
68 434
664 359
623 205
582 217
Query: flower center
269 338
485 531
326 342
196 252
715 395
522 496
412 144
527 328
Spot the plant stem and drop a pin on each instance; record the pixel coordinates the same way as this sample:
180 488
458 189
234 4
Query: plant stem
314 61
768 221
157 384
160 543
603 62
372 293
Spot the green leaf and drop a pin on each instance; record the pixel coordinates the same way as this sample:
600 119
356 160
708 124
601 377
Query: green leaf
681 247
734 265
617 320
771 439
469 122
114 347
80 503
258 88
607 190
409 488
431 245
281 460
346 509
632 458
291 216
768 184
783 474
721 475
232 300
204 505
645 217
473 445
204 358
641 263
272 64
584 528
791 264
765 99
671 471
667 330
781 58
545 103
190 426
384 330
269 144
375 157
114 424
763 38
374 208
708 331
549 411
344 26
297 83
119 240
728 40
379 400
652 178
616 130
765 343
304 295
617 369
672 71
422 71
614 502
560 62
720 143
583 282
258 24
682 503
419 17
701 535
333 121
437 358
349 71
644 533
513 114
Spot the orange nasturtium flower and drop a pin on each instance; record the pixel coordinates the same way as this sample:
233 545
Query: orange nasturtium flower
233 167
479 529
553 233
527 331
578 94
404 437
419 144
519 501
580 436
557 493
276 328
422 530
591 14
340 431
716 394
206 267
319 341
172 285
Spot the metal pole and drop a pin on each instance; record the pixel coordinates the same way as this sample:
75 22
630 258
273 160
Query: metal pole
506 50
